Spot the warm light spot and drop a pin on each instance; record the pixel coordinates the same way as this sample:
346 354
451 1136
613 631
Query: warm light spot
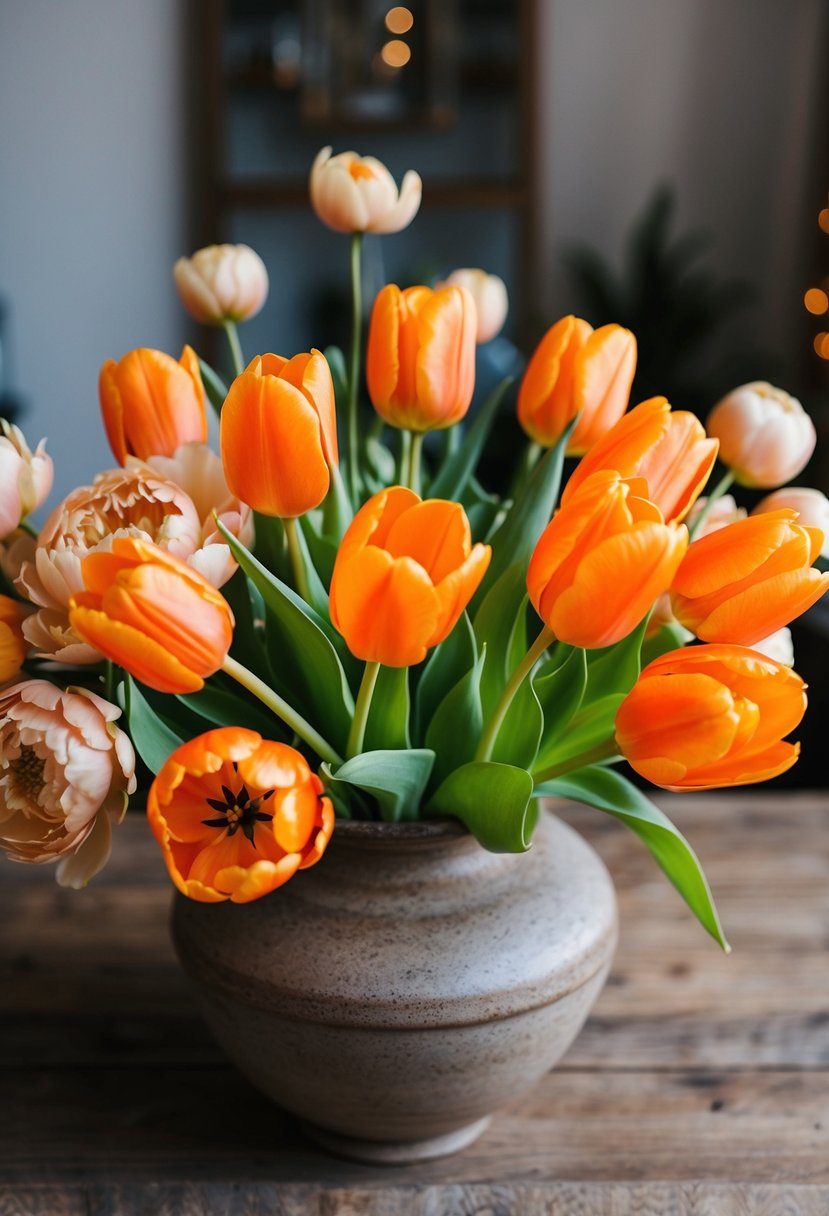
396 53
816 301
399 20
823 219
821 345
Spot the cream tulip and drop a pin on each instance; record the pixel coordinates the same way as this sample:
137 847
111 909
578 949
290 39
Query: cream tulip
352 193
222 283
25 477
811 505
766 437
490 296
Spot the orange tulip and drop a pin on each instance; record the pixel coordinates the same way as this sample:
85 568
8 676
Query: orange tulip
153 615
151 404
577 371
748 579
404 573
668 448
420 361
602 561
236 815
279 434
711 716
12 643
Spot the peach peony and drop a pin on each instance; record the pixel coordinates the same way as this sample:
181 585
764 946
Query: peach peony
64 769
25 477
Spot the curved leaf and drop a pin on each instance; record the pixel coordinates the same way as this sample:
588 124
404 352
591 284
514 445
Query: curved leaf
493 800
446 665
520 734
214 386
456 727
154 740
452 479
616 668
560 692
388 717
396 779
610 791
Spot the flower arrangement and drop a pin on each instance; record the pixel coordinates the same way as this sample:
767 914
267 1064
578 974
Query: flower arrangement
285 640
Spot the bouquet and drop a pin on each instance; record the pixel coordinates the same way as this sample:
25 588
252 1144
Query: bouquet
273 638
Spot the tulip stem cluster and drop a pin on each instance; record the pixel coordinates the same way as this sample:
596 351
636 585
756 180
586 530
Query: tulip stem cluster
723 485
235 346
361 710
490 734
282 709
352 435
609 750
295 554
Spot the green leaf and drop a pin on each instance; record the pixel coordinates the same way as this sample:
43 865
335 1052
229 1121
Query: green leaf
306 668
452 479
339 375
456 726
387 727
520 734
214 386
381 468
154 740
337 512
529 515
615 668
592 726
493 624
610 791
445 666
248 645
223 707
672 636
317 595
493 800
560 689
396 779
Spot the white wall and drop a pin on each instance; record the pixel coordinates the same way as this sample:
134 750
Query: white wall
719 97
92 203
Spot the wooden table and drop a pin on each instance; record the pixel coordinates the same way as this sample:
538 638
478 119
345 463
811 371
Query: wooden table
700 1085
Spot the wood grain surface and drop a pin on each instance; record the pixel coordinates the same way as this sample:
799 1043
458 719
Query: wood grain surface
699 1086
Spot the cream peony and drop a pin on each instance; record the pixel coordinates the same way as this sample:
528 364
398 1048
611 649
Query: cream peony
65 768
352 193
25 477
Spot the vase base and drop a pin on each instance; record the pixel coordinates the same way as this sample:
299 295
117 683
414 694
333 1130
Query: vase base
396 1152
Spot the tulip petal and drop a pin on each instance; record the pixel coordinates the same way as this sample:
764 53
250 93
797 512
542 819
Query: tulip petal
753 614
602 380
145 659
385 608
457 589
435 533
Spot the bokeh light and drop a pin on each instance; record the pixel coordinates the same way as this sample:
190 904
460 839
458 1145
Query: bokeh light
816 301
399 20
396 54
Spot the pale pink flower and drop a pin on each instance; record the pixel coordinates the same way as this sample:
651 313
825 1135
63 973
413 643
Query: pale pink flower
352 193
65 768
724 511
490 296
766 437
132 501
222 283
811 505
197 469
777 645
25 477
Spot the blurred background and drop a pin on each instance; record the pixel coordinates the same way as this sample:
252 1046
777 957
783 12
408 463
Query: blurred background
662 165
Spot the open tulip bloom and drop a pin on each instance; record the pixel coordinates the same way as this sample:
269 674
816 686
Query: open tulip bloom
332 618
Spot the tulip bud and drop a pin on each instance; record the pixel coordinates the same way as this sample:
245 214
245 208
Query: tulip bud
667 447
765 435
577 372
404 573
279 434
742 582
151 404
420 359
711 716
490 296
352 193
602 561
222 283
811 505
153 615
25 477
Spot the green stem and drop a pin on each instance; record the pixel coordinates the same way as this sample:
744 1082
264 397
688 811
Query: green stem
413 470
358 726
725 483
109 681
517 678
295 553
603 751
282 709
352 436
235 347
529 460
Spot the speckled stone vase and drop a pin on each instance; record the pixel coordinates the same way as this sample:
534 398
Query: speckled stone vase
407 986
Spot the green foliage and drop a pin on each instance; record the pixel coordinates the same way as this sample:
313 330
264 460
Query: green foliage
493 623
153 739
456 727
220 706
457 470
396 779
493 800
387 726
442 670
609 791
214 386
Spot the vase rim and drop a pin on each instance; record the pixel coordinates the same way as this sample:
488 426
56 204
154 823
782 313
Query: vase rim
412 831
